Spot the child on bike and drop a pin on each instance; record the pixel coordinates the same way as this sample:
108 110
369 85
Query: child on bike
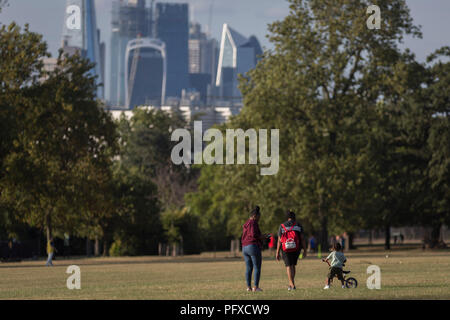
335 260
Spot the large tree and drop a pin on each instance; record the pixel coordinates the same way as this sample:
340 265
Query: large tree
320 86
55 126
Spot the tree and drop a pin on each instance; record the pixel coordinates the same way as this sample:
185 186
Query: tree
145 157
137 229
56 125
437 99
319 85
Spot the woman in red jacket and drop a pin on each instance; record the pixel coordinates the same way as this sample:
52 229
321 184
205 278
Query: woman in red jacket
251 249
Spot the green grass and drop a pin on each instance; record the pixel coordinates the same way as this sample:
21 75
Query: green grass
405 274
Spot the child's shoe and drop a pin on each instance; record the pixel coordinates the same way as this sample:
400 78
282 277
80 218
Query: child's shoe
327 287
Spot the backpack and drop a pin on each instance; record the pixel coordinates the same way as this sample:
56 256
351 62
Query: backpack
290 239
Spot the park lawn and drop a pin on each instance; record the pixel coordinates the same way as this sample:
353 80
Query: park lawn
405 274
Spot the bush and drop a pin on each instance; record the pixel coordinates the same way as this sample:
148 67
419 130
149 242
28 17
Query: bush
117 249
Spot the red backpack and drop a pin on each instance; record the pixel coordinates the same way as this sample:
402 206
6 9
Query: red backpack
290 239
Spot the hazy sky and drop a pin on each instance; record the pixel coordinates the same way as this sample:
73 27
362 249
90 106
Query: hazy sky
249 17
246 16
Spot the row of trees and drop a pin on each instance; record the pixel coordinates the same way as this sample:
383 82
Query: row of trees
67 167
364 141
364 128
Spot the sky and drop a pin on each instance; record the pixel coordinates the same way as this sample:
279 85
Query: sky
249 17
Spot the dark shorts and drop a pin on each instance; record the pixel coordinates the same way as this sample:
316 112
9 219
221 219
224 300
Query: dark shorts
336 272
290 258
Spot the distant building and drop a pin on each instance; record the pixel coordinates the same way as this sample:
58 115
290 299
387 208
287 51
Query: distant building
83 37
201 82
208 115
146 72
50 65
130 20
238 55
203 57
172 27
203 52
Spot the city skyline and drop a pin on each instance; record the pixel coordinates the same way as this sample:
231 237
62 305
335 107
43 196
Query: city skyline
46 17
176 80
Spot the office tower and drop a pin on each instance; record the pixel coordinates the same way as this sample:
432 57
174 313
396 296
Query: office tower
130 20
203 52
172 27
146 72
80 35
203 56
238 55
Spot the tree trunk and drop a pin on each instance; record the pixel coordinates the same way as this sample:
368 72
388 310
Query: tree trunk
97 247
323 239
105 247
351 237
88 247
387 239
48 226
38 251
435 235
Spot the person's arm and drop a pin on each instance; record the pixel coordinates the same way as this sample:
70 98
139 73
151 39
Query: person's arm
257 233
278 249
327 259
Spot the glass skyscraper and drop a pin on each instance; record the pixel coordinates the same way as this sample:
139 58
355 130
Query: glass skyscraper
130 20
238 55
172 27
80 35
146 73
203 55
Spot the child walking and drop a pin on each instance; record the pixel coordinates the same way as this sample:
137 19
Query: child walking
335 260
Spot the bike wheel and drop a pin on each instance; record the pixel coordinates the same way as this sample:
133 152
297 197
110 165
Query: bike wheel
351 283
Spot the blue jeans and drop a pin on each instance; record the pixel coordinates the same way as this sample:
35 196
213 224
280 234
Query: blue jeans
49 260
253 260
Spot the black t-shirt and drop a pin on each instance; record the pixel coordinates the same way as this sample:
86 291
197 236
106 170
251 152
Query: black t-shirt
288 224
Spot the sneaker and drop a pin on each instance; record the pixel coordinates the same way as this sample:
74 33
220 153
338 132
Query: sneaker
343 287
327 287
257 289
249 289
290 288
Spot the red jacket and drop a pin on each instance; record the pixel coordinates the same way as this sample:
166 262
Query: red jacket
251 233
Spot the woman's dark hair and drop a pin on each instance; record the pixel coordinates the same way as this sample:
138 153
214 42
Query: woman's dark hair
337 246
255 212
290 215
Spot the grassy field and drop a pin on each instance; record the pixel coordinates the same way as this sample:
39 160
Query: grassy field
405 274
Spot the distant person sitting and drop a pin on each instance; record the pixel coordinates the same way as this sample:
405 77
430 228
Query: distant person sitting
50 251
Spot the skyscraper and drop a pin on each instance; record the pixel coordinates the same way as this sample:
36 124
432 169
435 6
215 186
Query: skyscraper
203 51
130 20
203 56
172 27
238 55
146 73
80 35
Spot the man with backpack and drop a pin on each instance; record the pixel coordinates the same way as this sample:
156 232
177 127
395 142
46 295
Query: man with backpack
291 241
